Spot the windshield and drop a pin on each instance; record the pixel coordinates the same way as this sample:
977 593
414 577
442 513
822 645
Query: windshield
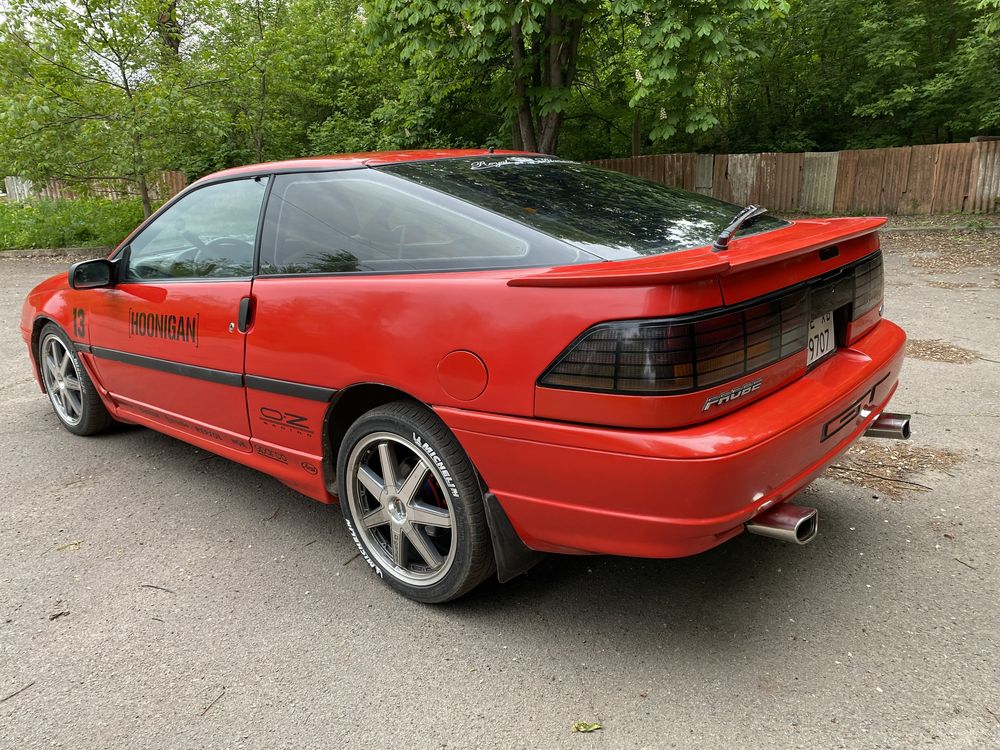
609 214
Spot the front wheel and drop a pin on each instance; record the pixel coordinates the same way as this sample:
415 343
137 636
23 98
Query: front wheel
413 504
74 398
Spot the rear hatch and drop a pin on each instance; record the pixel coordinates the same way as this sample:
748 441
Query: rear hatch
791 298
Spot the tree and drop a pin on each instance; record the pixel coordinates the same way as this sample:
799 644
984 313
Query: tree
90 95
535 48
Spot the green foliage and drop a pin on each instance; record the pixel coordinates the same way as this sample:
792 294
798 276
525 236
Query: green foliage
533 52
85 222
100 89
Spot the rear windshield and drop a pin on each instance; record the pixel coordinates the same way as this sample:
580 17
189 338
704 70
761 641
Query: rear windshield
609 214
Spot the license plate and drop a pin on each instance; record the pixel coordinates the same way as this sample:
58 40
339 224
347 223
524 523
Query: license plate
821 340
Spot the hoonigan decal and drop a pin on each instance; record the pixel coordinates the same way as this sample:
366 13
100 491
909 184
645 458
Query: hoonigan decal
162 326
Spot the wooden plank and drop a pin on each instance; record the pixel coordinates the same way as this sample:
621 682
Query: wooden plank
819 180
984 180
867 196
919 193
780 181
847 173
951 177
721 187
704 171
743 177
894 175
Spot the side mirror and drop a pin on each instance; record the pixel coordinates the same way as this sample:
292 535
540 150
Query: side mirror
92 274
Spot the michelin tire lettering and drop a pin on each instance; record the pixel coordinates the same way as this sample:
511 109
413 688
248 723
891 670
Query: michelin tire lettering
433 456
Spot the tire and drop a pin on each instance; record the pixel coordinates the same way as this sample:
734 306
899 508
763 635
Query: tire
420 524
71 392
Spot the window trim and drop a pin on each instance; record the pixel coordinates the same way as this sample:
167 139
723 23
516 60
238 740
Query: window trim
410 272
123 251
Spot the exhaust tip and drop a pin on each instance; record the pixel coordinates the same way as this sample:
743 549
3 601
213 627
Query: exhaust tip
807 528
890 426
796 524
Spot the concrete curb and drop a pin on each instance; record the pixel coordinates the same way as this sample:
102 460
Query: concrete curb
940 228
55 252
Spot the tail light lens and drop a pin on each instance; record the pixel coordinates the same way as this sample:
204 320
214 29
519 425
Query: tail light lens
668 357
660 357
869 285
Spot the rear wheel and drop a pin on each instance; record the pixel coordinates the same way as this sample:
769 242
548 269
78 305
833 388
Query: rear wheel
71 391
413 504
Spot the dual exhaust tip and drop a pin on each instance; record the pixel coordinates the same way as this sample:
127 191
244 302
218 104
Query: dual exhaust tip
785 522
890 426
799 524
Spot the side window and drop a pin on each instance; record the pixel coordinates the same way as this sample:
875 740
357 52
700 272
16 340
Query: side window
208 233
361 221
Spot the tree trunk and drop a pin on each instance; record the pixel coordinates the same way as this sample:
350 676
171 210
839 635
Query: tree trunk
147 205
169 28
636 133
525 122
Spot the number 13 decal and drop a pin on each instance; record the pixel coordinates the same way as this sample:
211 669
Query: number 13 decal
78 325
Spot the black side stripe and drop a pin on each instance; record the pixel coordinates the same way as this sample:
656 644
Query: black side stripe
289 388
165 365
225 377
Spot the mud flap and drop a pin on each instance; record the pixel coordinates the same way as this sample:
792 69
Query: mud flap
512 556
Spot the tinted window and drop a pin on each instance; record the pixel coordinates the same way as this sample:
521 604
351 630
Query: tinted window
608 213
209 233
364 221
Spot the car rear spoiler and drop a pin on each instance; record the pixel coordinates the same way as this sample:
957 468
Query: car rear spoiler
798 238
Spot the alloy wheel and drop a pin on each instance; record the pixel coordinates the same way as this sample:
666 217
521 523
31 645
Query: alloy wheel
62 380
399 501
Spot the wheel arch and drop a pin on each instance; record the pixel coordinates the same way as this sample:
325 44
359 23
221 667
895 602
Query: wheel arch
346 406
512 556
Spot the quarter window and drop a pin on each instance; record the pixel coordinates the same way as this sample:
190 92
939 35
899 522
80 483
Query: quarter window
209 233
365 221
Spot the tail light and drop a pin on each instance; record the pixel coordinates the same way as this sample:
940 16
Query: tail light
652 357
661 357
869 286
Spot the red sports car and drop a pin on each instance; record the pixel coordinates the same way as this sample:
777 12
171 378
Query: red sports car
486 355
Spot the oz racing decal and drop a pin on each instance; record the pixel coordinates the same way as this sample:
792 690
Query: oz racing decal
285 421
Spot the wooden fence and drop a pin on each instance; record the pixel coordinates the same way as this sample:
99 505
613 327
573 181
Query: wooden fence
942 178
163 186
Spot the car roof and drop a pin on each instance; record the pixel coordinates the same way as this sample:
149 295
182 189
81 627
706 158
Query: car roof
355 161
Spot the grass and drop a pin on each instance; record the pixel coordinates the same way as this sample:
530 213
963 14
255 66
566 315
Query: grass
86 222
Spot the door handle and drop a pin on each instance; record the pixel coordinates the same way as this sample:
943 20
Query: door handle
245 318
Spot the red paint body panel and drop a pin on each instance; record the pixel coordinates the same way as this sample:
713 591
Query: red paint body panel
661 411
576 472
395 330
212 306
677 492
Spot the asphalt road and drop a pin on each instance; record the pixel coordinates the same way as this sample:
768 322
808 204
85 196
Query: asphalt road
152 595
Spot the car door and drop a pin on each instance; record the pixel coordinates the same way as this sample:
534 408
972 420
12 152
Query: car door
167 338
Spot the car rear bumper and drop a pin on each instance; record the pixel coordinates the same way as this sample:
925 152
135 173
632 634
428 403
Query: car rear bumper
669 493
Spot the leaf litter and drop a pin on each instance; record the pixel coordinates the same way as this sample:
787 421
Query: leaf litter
893 468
